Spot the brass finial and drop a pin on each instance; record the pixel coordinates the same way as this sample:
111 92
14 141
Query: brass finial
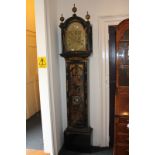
87 16
74 9
62 18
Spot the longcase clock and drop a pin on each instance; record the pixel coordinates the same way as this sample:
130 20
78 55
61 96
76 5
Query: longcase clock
76 34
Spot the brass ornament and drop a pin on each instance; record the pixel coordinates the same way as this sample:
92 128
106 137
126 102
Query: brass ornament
62 18
87 16
74 9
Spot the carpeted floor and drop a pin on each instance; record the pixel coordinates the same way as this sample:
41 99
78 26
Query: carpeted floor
34 138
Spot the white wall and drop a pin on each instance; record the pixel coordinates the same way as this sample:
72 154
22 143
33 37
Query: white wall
43 77
54 76
46 34
96 9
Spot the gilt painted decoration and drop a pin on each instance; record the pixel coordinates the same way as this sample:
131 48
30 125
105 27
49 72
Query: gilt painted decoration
76 34
76 93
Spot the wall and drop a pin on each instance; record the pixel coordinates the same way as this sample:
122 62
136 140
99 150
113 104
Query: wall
54 76
30 16
45 100
96 9
49 82
32 86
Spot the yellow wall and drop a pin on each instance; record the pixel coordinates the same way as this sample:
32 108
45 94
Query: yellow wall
30 16
32 85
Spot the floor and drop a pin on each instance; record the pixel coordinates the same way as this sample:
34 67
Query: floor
102 151
35 152
34 138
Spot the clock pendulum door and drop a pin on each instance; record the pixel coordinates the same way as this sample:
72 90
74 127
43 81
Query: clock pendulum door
78 133
76 48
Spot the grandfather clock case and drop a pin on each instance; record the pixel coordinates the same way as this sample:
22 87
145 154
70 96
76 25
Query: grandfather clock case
76 34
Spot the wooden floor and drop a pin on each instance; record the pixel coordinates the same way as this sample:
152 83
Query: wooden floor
36 152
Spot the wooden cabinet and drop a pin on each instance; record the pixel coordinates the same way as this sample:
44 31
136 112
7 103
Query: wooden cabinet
121 133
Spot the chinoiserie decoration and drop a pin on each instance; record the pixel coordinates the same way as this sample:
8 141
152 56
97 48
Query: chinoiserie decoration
76 37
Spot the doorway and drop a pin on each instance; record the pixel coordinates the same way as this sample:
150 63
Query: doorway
112 80
34 136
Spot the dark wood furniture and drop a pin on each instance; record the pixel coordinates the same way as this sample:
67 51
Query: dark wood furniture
121 133
76 36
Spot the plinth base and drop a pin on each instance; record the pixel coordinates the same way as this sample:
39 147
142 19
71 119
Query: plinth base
78 139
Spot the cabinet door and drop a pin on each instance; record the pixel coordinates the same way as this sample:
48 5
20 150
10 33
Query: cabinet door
122 68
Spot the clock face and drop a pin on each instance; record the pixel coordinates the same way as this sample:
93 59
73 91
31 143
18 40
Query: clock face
75 37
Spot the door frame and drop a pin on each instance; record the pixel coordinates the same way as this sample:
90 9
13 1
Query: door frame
48 99
104 23
112 81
